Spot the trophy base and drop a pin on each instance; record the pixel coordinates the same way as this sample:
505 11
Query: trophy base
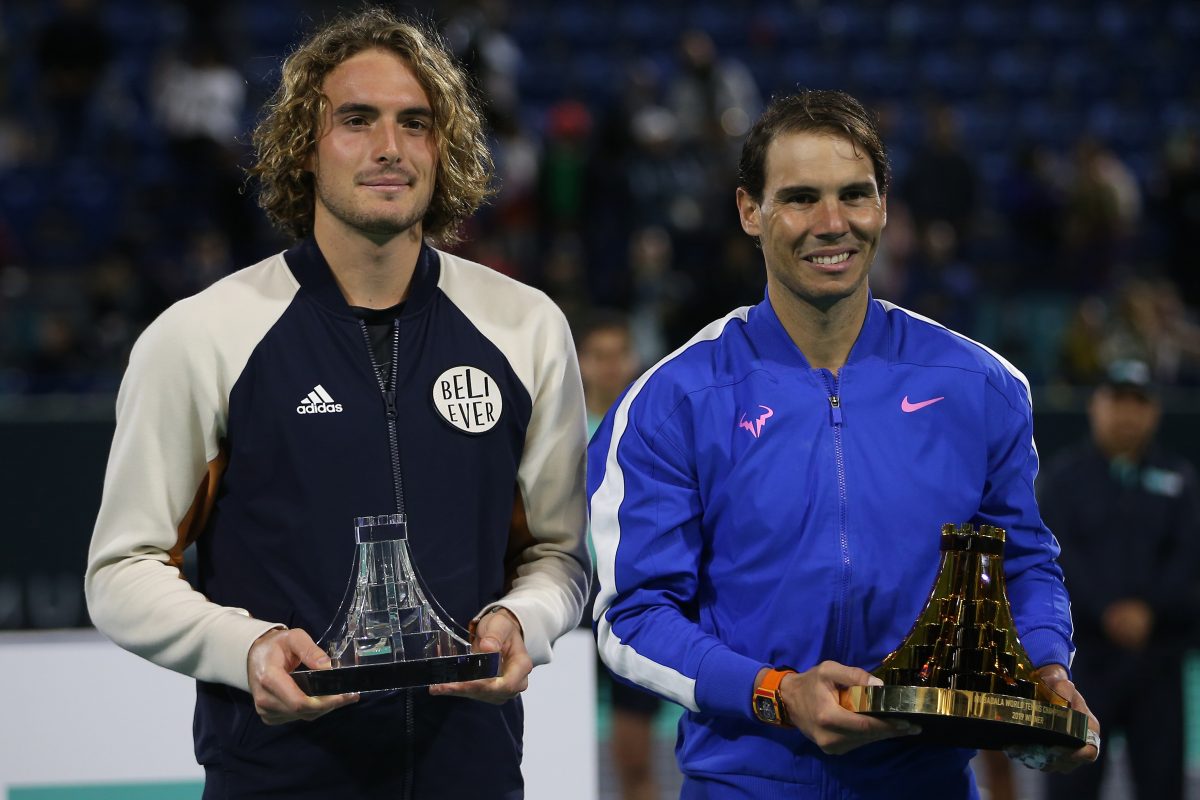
979 720
397 674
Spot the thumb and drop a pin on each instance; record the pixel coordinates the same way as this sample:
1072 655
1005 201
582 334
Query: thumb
844 676
489 644
307 651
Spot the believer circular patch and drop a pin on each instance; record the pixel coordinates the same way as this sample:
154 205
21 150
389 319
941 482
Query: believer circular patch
468 398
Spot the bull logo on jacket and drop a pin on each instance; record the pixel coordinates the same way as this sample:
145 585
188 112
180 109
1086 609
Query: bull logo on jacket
468 398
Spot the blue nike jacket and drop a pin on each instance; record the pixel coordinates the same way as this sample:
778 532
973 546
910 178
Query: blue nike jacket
749 510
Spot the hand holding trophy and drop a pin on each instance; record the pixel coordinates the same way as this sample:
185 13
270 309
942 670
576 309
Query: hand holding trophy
388 633
962 674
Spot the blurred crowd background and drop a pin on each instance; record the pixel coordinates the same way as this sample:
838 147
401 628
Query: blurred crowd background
1046 191
1046 157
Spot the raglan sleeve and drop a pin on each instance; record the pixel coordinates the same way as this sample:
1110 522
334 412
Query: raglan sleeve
551 570
647 509
1037 594
163 465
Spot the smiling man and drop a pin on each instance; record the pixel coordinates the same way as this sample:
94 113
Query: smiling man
361 372
767 500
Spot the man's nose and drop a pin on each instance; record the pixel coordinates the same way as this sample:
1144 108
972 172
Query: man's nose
830 219
387 144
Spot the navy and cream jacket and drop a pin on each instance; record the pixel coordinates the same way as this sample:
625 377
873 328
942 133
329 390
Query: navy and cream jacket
251 421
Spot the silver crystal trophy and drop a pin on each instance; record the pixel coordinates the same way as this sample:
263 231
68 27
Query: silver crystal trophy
387 634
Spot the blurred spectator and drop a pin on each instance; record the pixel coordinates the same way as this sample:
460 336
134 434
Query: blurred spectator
1080 360
661 295
199 98
562 276
942 182
1030 199
73 52
1103 205
1179 216
939 283
608 196
1127 515
1153 325
477 36
608 364
561 178
669 184
608 361
513 215
714 98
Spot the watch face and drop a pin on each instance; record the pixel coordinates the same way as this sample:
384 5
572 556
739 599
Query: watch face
765 709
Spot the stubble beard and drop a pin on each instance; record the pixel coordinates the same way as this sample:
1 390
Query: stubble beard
372 224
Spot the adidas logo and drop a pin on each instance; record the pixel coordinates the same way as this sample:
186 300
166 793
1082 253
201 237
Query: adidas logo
318 402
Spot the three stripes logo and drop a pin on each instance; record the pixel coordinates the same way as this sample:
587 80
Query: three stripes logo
318 402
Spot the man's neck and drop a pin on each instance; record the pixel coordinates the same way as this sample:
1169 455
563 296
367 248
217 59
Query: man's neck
824 336
371 272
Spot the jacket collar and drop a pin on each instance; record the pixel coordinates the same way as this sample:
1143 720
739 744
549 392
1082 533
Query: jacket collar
312 272
873 341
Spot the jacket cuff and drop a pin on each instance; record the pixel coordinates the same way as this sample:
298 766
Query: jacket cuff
535 633
1047 646
233 669
725 682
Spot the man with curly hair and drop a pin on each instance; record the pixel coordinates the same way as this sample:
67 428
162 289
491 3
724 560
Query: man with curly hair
360 372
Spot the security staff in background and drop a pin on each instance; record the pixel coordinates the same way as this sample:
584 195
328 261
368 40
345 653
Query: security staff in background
1127 514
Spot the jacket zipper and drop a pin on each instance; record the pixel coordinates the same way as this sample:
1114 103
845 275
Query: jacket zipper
835 419
388 390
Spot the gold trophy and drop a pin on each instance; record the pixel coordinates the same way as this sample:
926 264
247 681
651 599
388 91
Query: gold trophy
962 673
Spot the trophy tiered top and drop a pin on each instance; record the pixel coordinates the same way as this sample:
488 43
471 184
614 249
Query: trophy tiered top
387 634
962 673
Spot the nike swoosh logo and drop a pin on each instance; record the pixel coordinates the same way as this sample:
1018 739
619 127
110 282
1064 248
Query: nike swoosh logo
908 407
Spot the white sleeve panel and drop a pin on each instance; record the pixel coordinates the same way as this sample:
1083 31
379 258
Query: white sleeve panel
664 679
551 584
172 410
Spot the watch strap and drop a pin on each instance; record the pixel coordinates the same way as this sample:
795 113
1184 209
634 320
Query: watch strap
768 690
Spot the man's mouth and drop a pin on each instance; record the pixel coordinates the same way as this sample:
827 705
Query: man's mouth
387 182
829 259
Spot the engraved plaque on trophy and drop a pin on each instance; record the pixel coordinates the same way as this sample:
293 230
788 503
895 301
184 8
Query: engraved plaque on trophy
962 673
389 633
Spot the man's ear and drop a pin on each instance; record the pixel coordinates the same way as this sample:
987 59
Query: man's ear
749 213
883 204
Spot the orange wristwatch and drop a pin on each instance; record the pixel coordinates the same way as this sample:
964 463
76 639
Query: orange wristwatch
768 706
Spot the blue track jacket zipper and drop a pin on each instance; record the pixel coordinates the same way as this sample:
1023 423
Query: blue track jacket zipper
835 419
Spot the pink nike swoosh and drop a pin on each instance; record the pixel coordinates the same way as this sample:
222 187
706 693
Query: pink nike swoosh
908 407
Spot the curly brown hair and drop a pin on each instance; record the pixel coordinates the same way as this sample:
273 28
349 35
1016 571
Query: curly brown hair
288 132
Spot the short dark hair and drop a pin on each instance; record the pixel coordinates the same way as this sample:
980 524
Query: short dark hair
600 319
822 110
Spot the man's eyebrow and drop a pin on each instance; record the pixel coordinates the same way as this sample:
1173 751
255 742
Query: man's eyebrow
367 108
356 108
866 187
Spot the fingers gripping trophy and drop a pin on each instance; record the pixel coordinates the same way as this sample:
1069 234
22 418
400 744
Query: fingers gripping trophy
962 674
389 632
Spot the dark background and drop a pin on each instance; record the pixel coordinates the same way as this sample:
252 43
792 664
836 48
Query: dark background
1045 198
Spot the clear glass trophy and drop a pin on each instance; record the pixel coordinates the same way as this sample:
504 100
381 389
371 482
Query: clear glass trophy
389 633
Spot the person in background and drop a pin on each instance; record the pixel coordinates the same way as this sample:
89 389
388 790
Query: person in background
1127 513
608 363
360 372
